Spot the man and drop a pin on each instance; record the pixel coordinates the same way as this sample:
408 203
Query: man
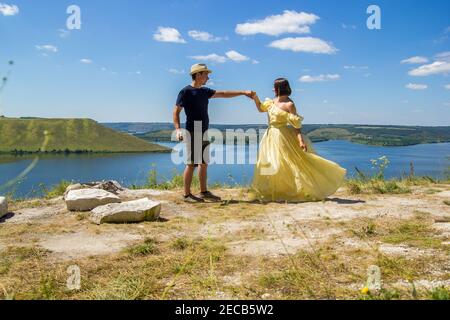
194 99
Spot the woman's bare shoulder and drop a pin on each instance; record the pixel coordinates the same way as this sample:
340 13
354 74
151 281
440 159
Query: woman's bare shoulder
290 105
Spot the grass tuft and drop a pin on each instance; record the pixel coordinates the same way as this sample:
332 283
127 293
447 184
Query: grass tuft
440 293
145 249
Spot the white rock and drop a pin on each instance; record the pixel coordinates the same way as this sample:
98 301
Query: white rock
3 207
265 296
76 186
110 186
88 199
127 212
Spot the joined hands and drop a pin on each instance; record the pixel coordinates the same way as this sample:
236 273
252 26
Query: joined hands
250 94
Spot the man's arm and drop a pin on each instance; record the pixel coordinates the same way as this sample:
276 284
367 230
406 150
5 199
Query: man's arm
176 122
232 94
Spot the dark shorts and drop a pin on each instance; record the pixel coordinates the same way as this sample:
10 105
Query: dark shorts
197 154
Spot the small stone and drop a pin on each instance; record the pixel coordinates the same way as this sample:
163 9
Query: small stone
127 212
265 296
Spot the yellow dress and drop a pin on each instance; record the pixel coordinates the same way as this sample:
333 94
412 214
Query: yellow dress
284 172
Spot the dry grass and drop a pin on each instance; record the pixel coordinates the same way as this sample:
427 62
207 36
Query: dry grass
175 260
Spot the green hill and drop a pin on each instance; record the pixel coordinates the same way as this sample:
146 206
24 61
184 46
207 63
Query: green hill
376 135
67 135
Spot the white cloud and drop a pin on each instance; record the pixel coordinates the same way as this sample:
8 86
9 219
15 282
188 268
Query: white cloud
430 69
414 60
175 71
443 56
8 10
47 48
229 56
211 57
63 33
320 78
288 22
203 36
236 56
86 61
305 44
444 36
346 26
168 35
415 86
356 68
447 87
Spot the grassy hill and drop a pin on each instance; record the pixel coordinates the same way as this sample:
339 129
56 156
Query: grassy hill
382 135
363 134
18 135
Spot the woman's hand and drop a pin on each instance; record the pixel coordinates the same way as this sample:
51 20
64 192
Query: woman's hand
303 145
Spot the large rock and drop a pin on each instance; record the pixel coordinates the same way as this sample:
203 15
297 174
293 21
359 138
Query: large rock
88 199
127 212
110 186
3 207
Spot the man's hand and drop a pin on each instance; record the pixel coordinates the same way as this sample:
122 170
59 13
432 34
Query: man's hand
180 135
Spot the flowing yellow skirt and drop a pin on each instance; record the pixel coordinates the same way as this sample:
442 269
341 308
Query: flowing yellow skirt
284 172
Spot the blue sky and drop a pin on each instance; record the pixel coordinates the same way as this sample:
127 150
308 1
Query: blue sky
131 58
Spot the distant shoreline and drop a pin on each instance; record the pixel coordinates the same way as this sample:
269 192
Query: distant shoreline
374 135
21 153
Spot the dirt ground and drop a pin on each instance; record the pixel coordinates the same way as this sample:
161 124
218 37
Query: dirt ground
232 250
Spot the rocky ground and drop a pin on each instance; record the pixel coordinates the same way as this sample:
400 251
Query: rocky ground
234 249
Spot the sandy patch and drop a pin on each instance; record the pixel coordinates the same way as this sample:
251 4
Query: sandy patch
423 284
83 244
443 228
405 251
280 246
36 215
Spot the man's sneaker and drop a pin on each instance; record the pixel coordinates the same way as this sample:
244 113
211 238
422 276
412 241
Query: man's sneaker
209 196
190 198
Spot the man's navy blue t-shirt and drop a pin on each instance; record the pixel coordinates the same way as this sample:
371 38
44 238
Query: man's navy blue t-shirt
195 103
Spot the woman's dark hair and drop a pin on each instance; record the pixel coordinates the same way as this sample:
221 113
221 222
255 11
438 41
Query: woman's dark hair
282 87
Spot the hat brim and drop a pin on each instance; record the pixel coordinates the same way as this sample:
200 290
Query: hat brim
207 70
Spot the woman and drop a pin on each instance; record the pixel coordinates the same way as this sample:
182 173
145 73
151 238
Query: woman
288 168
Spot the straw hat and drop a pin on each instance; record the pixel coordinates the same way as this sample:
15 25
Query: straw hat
199 67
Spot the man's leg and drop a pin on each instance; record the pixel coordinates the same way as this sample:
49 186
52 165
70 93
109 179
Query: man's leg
188 196
188 174
203 177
